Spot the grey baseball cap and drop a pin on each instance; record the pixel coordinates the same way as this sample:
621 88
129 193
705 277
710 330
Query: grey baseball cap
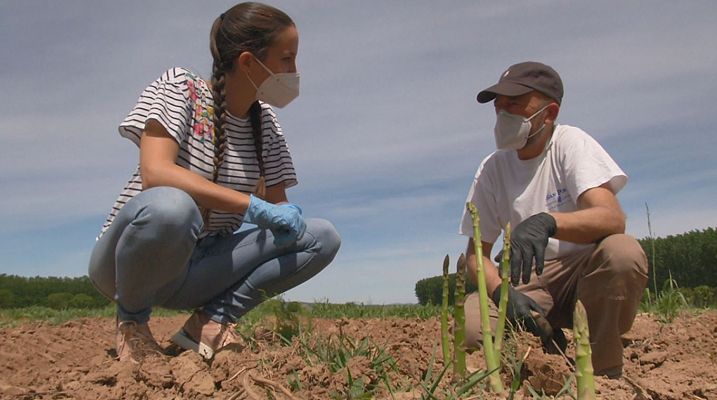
521 78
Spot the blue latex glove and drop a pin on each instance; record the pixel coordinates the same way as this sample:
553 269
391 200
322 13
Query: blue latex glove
284 221
285 237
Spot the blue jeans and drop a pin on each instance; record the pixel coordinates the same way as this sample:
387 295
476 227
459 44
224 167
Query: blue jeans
151 256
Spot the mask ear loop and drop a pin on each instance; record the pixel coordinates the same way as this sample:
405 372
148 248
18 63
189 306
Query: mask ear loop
251 81
533 116
539 111
263 66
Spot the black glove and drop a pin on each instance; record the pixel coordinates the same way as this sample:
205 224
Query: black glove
527 241
524 311
557 343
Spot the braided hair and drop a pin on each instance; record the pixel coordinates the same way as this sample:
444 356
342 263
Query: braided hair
248 27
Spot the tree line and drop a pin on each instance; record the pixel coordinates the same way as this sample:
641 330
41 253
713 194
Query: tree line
58 293
689 259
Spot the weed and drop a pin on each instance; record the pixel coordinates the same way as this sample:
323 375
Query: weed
667 304
339 353
287 322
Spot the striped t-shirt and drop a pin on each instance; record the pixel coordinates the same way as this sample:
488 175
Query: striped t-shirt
182 102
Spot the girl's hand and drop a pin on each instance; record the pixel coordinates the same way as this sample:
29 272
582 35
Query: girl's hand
284 221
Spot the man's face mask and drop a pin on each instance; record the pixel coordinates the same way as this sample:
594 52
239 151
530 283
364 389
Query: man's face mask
278 89
512 131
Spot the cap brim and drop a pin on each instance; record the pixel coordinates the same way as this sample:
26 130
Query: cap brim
504 89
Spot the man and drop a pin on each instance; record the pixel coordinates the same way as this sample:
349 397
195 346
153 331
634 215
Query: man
557 187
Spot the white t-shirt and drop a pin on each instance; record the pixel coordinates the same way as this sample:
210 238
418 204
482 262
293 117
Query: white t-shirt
182 102
507 189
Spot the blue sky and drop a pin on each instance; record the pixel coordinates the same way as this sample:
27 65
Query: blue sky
386 134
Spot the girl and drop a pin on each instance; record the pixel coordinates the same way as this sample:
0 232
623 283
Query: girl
210 158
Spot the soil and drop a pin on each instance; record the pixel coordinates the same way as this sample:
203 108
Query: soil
76 360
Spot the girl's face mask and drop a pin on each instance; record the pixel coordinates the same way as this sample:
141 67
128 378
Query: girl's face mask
512 131
278 89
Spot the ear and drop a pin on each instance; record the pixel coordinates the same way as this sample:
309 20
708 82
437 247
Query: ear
244 61
552 112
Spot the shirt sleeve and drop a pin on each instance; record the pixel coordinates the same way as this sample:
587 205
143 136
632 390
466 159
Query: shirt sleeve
278 166
482 196
165 100
587 165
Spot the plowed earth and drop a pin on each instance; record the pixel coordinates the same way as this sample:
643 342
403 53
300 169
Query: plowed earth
76 360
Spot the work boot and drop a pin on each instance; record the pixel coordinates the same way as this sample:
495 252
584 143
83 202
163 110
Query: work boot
611 373
134 342
206 337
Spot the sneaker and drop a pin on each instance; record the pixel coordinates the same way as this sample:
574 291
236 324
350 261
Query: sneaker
135 341
205 336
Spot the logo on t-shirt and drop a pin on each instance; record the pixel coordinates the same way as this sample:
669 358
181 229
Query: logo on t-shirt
556 199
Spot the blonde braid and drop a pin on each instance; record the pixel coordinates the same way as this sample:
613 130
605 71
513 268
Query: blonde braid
220 120
256 128
219 137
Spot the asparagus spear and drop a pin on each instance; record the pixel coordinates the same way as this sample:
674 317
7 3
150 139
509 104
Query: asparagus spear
583 354
503 304
491 357
445 343
459 367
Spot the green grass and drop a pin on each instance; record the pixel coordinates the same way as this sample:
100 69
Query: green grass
360 310
282 309
16 316
665 305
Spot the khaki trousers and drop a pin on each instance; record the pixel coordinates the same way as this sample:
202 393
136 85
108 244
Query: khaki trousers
608 278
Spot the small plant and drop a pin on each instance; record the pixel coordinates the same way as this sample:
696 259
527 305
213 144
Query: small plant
666 305
669 302
294 381
288 322
336 353
517 367
429 384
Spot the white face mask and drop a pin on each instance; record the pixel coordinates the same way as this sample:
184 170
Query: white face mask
278 89
512 131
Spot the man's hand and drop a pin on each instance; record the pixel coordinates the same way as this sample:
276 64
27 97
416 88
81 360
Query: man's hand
529 240
524 311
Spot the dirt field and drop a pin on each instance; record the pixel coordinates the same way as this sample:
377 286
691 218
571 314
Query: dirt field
75 360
